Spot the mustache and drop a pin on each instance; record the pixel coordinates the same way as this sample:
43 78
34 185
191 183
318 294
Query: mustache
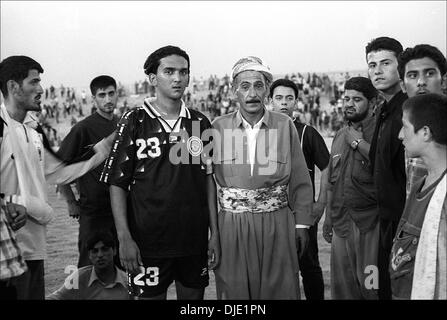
253 101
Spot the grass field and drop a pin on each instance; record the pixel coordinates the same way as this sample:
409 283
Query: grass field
62 249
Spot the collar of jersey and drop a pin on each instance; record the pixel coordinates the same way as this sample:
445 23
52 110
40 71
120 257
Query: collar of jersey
184 112
154 114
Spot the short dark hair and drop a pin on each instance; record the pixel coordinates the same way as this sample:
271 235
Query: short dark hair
101 82
283 83
429 110
16 68
362 84
102 235
153 61
418 52
384 43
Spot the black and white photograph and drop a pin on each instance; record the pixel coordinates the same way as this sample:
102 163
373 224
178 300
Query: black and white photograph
233 153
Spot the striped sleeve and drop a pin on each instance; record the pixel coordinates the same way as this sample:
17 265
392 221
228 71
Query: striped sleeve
207 158
119 167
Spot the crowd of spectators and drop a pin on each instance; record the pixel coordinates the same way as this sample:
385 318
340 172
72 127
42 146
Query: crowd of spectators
319 102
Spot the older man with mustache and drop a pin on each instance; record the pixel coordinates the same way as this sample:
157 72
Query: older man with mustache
265 193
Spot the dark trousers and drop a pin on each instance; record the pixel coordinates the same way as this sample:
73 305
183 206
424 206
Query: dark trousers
310 268
31 284
7 290
88 225
387 231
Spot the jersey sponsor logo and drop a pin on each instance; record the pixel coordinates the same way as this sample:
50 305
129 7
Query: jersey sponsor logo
195 146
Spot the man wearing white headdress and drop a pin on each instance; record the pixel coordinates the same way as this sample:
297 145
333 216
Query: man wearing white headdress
265 193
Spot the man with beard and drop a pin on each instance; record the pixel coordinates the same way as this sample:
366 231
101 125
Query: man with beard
265 193
284 96
387 154
351 223
93 207
28 164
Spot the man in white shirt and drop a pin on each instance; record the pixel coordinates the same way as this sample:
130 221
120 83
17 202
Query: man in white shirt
27 163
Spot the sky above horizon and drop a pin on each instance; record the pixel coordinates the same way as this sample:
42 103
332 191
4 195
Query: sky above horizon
77 40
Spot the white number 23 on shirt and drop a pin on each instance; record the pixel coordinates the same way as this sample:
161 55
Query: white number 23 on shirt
151 277
154 148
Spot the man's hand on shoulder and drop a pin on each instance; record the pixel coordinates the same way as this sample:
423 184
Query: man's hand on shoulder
110 138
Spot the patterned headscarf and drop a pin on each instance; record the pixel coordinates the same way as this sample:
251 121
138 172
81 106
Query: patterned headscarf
251 63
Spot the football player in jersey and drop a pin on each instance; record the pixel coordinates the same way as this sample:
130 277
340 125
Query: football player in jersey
162 190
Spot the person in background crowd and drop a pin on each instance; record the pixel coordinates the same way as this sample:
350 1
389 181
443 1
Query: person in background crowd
283 96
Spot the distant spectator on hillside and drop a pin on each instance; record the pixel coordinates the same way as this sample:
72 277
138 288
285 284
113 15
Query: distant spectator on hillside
84 97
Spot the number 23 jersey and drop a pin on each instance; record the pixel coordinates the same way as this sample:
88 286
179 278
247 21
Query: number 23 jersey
164 170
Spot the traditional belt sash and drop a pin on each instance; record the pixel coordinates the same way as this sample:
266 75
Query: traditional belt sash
264 200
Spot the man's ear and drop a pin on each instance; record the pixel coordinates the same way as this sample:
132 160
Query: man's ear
427 134
444 83
372 103
402 86
12 86
152 79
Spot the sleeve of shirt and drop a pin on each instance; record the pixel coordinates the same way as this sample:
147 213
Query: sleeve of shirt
37 209
329 174
320 153
334 162
64 293
58 172
300 186
120 165
73 147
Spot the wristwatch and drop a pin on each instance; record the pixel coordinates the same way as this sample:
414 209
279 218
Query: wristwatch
355 144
